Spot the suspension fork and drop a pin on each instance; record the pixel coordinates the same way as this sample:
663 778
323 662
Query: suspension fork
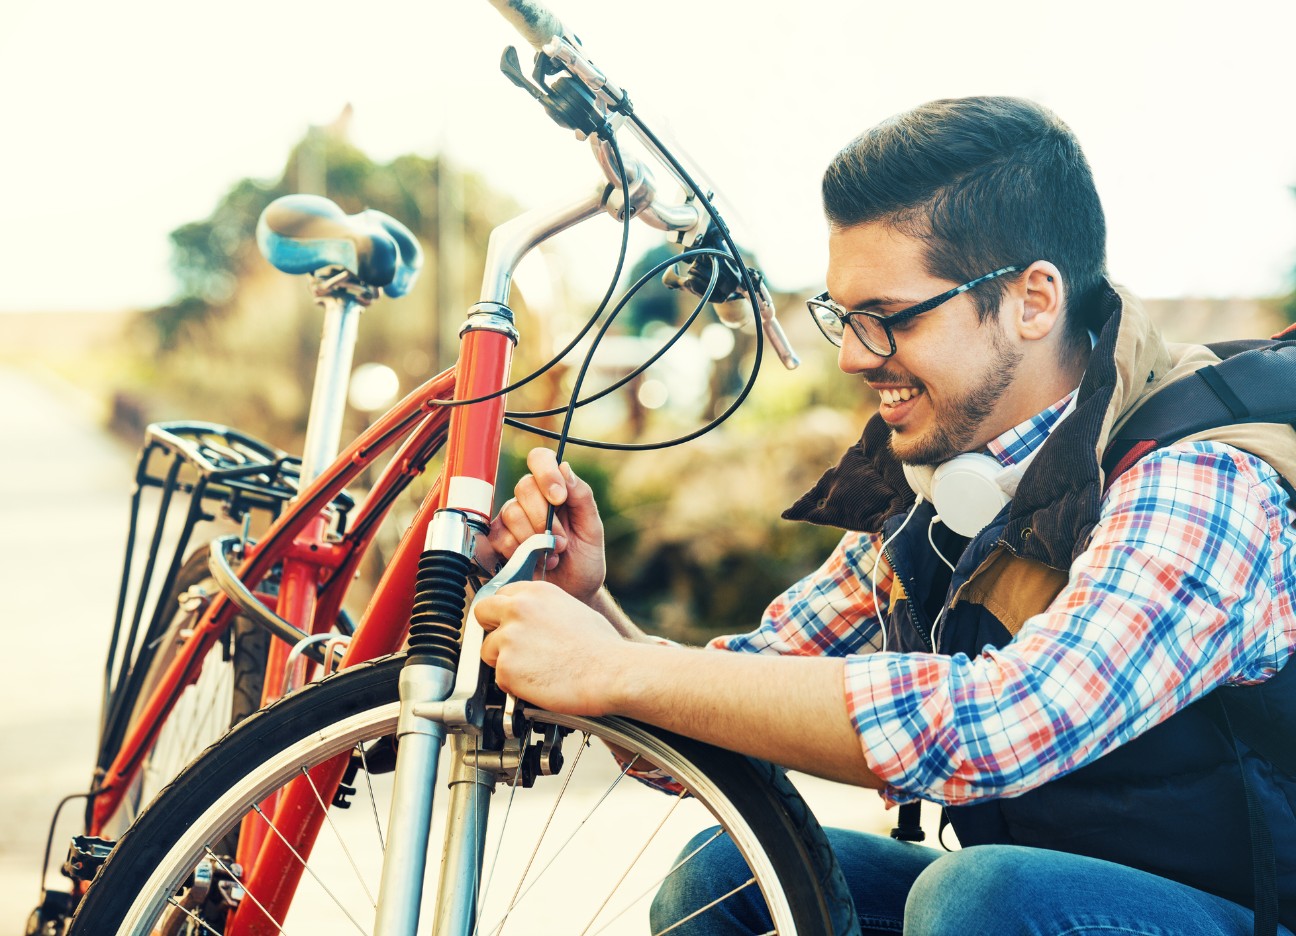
437 631
427 711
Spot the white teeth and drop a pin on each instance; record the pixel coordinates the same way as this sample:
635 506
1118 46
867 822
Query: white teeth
892 397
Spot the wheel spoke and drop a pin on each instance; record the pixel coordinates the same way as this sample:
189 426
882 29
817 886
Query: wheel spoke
499 843
191 915
576 831
705 907
633 861
306 867
341 841
364 763
652 888
247 893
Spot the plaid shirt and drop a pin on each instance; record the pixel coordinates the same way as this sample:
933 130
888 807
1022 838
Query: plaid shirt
1187 584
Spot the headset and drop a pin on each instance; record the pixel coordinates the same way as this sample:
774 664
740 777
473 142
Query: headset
965 490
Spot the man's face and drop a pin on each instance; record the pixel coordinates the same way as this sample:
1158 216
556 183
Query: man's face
944 390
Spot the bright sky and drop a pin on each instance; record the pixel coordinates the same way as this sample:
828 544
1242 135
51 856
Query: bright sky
124 120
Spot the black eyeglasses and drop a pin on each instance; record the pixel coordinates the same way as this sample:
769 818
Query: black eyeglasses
874 330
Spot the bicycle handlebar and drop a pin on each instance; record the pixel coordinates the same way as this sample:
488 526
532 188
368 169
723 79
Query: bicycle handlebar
588 114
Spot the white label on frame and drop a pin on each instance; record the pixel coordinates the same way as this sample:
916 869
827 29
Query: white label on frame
470 494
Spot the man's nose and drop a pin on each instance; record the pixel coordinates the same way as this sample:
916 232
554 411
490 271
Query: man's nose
854 357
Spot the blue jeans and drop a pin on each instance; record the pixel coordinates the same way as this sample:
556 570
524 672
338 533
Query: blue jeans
990 890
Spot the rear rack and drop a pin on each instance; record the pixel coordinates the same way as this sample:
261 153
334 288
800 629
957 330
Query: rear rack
223 473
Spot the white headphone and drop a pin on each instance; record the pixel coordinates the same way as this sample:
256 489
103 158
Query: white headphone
964 490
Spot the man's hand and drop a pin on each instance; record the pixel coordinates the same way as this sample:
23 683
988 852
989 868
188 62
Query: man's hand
550 649
577 564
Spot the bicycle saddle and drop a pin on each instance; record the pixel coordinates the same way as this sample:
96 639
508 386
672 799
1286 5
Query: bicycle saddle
306 233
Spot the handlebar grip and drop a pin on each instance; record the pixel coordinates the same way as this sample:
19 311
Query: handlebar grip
536 24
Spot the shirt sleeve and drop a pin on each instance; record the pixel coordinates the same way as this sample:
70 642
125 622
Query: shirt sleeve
1175 595
833 611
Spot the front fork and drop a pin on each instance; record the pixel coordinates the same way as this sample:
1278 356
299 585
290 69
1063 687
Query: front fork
428 711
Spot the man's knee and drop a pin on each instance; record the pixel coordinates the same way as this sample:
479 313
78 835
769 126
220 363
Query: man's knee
968 891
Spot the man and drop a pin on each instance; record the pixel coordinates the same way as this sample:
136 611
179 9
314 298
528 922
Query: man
1050 676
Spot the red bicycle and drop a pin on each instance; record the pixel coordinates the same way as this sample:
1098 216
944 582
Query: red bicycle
236 844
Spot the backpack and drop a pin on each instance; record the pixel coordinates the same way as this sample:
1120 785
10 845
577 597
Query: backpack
1255 381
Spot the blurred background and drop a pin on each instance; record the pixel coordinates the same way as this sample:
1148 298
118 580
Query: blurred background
144 138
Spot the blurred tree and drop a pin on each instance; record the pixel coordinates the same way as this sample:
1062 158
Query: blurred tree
238 342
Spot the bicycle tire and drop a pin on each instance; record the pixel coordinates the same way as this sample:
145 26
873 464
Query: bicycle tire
227 690
759 809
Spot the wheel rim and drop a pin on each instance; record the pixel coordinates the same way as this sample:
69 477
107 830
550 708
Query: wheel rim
624 912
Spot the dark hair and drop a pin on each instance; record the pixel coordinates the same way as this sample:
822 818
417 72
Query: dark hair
987 182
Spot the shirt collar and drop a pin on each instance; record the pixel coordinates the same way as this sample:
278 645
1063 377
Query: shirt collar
1020 442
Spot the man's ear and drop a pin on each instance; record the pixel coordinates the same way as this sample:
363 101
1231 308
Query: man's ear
1043 300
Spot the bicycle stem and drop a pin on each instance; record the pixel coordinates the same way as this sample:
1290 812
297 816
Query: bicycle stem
513 239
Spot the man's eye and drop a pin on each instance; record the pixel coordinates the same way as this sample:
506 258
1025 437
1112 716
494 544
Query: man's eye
902 325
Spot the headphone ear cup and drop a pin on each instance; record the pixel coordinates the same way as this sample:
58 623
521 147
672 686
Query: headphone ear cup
920 478
966 492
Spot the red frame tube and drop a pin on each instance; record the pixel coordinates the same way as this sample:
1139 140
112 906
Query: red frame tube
279 541
472 457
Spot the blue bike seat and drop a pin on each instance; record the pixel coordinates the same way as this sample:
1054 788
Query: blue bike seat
306 233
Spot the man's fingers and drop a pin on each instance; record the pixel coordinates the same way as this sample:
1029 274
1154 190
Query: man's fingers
521 523
490 611
490 650
581 508
549 479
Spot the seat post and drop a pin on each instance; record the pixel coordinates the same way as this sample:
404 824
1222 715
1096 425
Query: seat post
332 376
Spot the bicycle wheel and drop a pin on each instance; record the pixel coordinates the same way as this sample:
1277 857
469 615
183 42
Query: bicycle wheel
557 863
227 690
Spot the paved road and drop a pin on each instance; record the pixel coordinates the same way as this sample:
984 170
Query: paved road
63 506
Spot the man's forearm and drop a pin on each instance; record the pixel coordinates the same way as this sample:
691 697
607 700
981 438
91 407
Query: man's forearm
789 710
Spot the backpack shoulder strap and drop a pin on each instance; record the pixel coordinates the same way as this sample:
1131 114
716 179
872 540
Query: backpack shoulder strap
1255 382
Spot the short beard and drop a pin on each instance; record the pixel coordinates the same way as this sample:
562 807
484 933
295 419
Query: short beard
958 421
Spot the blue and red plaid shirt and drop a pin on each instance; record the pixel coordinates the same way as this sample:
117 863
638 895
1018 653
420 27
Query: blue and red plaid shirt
1186 585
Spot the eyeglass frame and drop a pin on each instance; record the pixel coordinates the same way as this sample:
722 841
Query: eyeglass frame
823 300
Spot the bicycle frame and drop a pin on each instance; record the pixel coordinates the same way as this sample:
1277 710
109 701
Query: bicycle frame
459 508
317 569
297 536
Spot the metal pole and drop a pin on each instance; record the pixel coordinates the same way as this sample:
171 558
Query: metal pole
419 743
465 842
332 374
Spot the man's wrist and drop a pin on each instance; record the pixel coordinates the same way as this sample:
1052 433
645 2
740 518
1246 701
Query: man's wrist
621 669
603 602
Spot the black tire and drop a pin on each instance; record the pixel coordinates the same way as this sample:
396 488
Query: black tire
760 810
227 690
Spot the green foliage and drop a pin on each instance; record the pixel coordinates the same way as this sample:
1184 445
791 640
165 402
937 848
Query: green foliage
696 546
240 340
